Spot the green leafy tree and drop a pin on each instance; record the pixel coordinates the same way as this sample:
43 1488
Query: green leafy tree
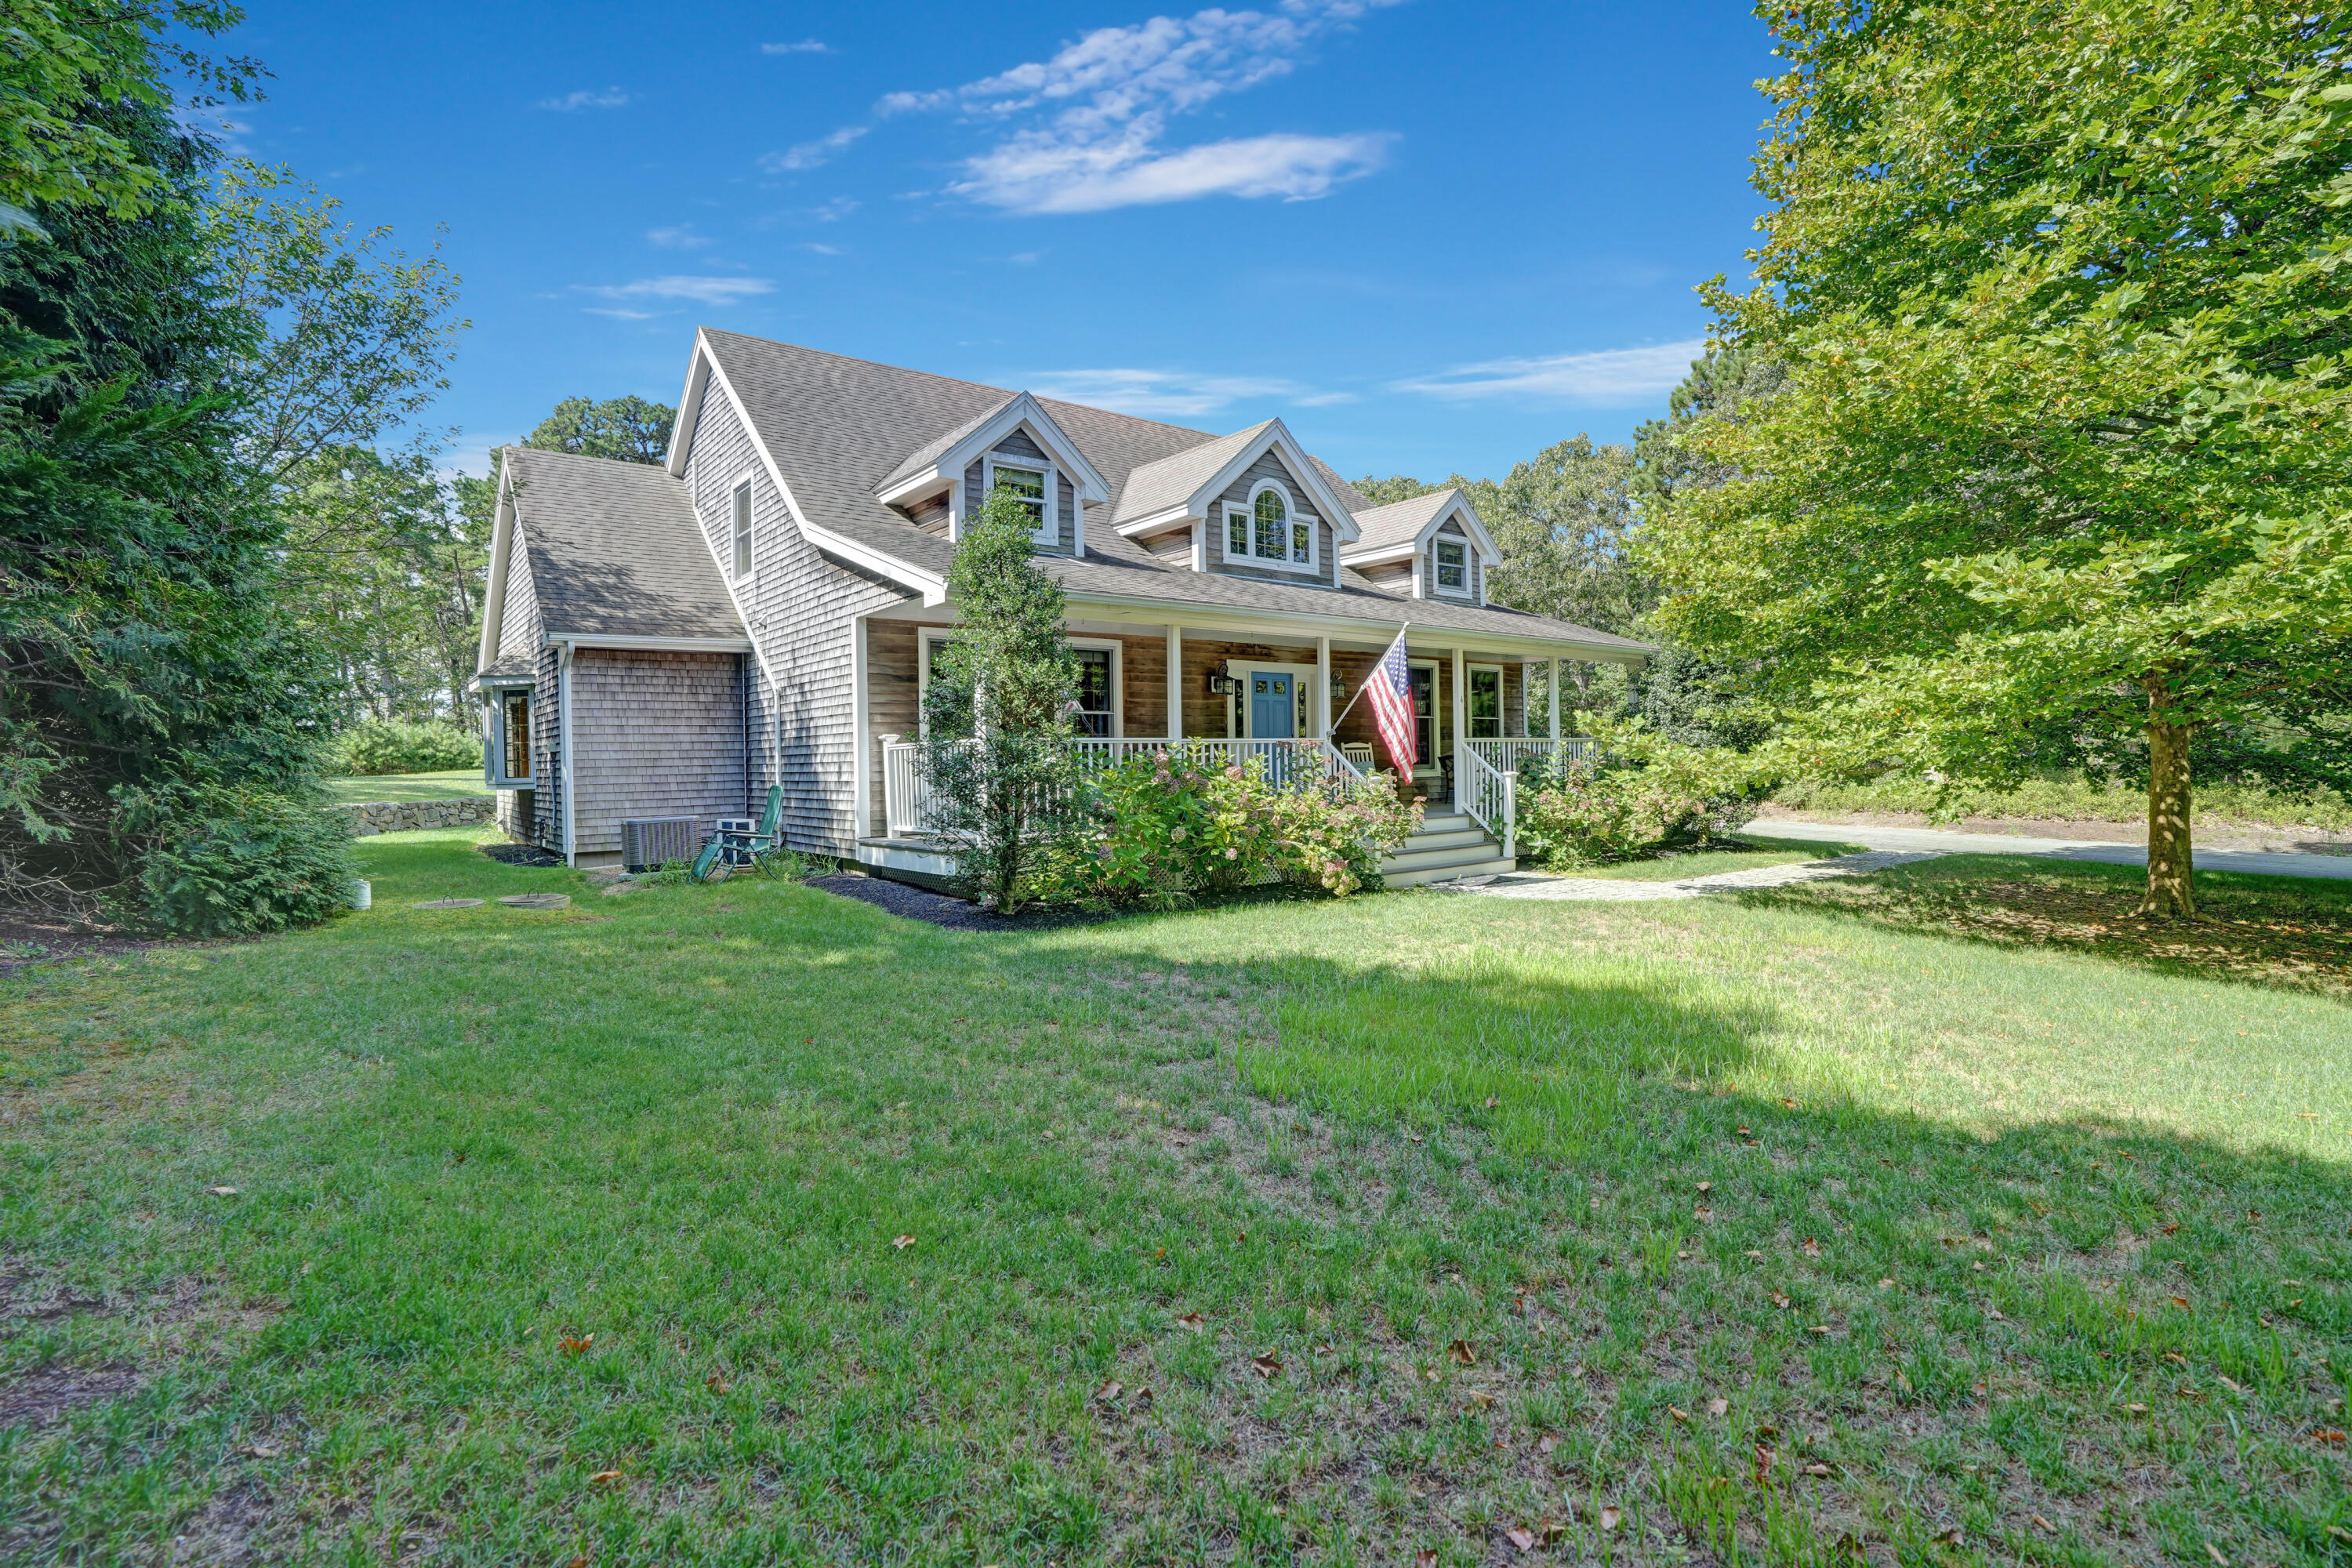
75 81
2059 456
343 340
998 710
626 429
159 711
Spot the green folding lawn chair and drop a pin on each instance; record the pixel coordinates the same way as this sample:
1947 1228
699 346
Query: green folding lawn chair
763 843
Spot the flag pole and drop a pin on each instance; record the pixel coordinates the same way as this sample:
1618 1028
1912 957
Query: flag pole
1333 728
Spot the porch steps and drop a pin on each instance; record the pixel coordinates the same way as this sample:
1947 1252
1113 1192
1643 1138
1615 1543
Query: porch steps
1449 845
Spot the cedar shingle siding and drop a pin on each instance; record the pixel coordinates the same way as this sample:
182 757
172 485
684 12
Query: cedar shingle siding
801 607
657 734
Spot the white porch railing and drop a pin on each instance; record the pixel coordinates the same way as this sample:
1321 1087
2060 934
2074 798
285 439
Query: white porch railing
1489 796
1506 754
1305 764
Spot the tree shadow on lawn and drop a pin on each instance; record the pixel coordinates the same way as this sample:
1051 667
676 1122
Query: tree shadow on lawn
2075 1341
2288 932
1913 1330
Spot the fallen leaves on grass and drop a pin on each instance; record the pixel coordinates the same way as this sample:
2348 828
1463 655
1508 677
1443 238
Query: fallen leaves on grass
1190 1322
1611 1515
1109 1392
1521 1537
578 1346
1461 1351
222 1191
606 1477
1717 1406
902 1242
1267 1366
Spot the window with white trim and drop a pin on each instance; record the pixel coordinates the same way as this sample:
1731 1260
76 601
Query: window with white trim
741 520
1270 531
1034 487
510 739
1453 558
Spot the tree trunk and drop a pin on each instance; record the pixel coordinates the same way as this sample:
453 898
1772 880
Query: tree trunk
2170 895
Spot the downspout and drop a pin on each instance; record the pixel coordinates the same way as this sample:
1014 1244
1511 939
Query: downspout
564 719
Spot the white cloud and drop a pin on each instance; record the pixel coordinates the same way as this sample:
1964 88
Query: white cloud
811 154
679 236
1164 393
1105 102
812 246
611 98
701 291
1608 377
1035 172
805 47
618 314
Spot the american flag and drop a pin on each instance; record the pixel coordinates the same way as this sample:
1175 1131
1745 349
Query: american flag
1390 688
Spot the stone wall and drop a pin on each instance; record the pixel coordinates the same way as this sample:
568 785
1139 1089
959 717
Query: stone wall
407 815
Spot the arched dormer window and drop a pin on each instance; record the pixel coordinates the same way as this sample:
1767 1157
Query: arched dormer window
1269 531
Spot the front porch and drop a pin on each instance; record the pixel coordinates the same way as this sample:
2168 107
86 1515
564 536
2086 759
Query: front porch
1259 698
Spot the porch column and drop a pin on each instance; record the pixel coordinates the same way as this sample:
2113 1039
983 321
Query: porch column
1555 699
1460 704
1323 686
1175 681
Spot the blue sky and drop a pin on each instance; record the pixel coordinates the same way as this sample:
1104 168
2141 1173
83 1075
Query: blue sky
1431 237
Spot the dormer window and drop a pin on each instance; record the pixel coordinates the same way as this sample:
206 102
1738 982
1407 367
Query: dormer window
1032 487
1269 532
1453 566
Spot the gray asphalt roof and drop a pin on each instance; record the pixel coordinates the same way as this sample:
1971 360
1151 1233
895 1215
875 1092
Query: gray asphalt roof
616 549
1399 523
1170 481
838 427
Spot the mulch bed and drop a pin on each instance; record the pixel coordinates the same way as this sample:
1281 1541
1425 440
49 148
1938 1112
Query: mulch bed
915 903
521 855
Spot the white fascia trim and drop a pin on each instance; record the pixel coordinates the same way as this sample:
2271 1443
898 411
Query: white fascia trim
494 598
933 587
689 406
1210 620
1277 435
650 645
1169 516
917 488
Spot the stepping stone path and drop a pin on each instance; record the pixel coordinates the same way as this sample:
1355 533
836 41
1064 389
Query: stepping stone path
1603 889
449 904
537 900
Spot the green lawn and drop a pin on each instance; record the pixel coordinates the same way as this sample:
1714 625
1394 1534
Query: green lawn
456 782
1745 1229
1761 851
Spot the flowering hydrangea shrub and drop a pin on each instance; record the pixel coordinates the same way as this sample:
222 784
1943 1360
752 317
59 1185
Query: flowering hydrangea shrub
1167 827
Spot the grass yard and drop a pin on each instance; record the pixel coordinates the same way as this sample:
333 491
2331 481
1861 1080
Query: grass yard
747 1224
1756 851
451 786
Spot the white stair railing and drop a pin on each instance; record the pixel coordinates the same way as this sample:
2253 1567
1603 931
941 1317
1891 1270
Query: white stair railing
1489 796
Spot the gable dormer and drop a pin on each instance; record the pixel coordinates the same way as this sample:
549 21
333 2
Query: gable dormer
1251 504
1016 444
1430 547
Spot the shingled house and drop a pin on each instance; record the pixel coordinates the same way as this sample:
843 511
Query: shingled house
667 642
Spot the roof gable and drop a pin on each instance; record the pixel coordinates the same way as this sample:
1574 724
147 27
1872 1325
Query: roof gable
613 548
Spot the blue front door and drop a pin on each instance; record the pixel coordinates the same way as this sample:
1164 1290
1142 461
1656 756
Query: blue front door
1271 710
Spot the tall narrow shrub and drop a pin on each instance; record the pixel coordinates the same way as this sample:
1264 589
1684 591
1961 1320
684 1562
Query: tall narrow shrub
1002 776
